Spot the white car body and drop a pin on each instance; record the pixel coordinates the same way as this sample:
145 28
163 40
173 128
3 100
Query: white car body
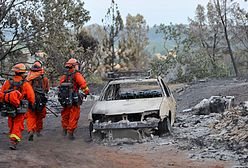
133 104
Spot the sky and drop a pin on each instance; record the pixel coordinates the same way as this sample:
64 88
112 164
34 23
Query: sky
154 11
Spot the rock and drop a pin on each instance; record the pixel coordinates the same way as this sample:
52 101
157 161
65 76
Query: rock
187 110
164 143
197 121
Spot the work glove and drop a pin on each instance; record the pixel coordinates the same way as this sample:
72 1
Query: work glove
86 91
13 97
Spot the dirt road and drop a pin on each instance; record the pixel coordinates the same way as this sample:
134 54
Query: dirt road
53 150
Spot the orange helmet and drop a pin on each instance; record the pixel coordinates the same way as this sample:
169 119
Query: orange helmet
18 68
71 62
37 66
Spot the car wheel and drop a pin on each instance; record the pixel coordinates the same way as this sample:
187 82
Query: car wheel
164 127
97 135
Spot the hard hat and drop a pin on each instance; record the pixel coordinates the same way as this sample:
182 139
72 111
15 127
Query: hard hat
37 66
18 68
71 62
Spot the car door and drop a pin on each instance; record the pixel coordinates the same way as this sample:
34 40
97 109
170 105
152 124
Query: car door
168 103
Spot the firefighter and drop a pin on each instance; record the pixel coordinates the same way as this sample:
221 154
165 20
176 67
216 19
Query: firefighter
70 98
37 113
16 119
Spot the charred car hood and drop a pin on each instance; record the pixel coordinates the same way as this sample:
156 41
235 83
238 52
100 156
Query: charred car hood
129 106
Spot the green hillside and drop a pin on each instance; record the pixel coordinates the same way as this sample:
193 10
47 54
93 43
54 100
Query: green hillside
156 42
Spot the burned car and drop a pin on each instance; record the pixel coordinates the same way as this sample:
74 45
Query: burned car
145 106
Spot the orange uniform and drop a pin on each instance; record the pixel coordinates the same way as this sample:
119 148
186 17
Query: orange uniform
35 118
70 115
16 124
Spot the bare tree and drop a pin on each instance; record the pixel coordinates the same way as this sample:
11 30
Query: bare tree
16 17
206 29
240 28
61 21
113 24
133 42
178 36
223 9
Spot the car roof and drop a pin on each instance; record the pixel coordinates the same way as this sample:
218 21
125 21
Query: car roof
119 81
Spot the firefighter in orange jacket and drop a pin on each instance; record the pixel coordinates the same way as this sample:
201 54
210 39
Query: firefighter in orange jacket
37 113
71 113
16 123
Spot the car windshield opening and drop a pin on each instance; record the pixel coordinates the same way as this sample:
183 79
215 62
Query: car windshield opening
136 90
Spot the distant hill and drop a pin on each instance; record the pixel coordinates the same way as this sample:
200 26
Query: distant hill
156 42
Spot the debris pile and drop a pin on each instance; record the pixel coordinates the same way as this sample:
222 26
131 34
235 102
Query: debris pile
233 126
210 131
53 102
232 129
215 104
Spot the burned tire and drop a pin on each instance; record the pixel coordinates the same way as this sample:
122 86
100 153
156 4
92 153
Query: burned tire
91 129
164 127
95 135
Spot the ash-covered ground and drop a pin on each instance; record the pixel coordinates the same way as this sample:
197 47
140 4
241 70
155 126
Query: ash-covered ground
214 140
221 136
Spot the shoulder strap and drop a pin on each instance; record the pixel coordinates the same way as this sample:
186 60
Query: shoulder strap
38 82
16 85
70 77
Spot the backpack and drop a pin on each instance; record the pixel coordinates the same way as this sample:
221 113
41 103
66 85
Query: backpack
8 109
67 95
40 95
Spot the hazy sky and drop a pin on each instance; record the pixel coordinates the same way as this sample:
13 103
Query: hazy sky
154 11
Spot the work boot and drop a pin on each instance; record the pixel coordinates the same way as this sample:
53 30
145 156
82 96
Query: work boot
31 136
38 134
13 144
64 132
71 136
